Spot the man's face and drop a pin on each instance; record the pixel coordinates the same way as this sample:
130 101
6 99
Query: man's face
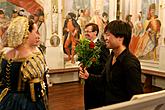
89 34
111 41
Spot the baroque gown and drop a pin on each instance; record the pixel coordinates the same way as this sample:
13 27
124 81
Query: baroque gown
22 83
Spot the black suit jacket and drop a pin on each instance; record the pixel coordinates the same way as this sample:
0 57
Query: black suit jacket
93 88
122 80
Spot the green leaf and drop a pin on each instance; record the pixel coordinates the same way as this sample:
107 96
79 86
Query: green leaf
85 53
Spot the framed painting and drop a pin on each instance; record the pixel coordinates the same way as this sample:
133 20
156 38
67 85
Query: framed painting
146 37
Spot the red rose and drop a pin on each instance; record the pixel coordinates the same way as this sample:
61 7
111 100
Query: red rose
92 45
93 60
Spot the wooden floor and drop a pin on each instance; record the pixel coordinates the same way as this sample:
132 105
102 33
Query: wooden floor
66 96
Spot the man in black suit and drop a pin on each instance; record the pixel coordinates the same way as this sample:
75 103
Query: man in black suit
93 88
122 73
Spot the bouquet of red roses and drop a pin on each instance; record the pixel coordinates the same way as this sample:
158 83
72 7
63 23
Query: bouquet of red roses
87 52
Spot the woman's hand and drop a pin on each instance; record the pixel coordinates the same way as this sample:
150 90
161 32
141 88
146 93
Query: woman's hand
83 73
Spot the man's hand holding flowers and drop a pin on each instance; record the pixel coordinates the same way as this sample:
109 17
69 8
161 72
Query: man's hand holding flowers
88 54
83 73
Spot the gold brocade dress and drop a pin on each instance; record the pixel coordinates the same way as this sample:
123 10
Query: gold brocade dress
22 83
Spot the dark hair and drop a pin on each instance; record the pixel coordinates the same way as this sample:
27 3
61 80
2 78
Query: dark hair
1 12
120 29
31 17
72 15
94 27
80 11
104 14
127 18
31 23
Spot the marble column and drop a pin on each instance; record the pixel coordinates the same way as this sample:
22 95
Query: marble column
60 20
96 5
125 8
139 5
54 55
92 7
162 16
100 6
133 9
112 9
48 18
162 38
121 7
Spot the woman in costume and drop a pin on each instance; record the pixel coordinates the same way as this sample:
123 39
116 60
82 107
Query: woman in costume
148 43
23 69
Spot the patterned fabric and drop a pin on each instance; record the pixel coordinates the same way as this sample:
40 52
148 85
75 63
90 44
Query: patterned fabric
22 83
17 31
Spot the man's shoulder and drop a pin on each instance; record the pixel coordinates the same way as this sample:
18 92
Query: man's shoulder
131 60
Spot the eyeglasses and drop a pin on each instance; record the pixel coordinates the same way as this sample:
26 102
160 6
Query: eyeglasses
88 31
